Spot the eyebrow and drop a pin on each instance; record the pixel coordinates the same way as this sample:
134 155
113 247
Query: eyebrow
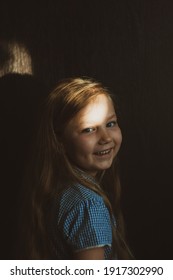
112 116
109 118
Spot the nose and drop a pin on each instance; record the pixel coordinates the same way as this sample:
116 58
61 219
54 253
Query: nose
104 137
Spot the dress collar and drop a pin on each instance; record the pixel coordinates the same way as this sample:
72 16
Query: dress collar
85 175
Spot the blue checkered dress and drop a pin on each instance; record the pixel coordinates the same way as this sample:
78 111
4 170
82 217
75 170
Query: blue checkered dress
80 221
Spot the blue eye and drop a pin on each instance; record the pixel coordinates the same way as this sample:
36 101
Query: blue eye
111 124
88 130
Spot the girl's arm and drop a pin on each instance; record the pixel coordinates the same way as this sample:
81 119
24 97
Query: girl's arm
90 254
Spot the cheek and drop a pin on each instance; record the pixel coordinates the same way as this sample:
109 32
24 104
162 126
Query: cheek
118 138
84 144
78 147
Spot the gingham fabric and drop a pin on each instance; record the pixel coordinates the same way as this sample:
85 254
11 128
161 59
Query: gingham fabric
80 221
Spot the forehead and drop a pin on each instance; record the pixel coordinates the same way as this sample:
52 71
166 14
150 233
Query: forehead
98 110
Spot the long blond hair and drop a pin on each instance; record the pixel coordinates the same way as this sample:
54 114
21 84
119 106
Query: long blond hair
51 167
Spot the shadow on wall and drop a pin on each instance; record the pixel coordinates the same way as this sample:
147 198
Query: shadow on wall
20 98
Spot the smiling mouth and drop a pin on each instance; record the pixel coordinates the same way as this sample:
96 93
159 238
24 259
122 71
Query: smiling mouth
105 152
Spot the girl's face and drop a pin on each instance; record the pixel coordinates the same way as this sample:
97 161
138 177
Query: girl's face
93 138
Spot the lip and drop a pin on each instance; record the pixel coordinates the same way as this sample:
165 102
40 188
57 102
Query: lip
104 153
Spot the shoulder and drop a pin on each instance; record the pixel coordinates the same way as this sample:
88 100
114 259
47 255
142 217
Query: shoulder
78 203
83 218
81 204
77 195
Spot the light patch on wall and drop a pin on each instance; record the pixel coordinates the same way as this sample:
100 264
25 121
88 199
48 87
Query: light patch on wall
14 58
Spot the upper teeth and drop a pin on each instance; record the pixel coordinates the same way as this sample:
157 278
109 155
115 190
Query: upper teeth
103 152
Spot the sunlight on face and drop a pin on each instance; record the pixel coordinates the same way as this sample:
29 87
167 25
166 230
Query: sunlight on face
93 137
97 111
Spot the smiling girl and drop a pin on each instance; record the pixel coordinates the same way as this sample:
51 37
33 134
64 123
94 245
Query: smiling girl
75 211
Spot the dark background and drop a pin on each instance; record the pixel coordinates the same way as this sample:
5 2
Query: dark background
128 46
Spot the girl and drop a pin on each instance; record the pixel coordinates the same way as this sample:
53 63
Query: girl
75 198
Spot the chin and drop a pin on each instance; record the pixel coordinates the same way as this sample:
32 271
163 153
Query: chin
106 166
